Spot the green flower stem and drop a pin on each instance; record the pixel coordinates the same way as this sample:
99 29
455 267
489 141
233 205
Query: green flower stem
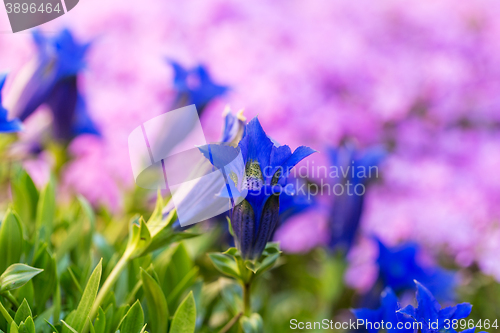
11 299
5 314
110 281
247 308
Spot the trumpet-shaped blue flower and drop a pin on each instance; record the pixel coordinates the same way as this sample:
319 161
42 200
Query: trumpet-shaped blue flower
267 168
355 169
398 268
6 125
387 312
52 81
432 317
194 86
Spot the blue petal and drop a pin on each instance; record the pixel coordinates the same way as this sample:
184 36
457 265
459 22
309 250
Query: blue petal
298 155
294 203
70 54
368 315
463 310
428 307
255 145
6 125
180 75
409 310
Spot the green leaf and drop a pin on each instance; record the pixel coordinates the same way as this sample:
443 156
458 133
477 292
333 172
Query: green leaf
110 311
186 281
88 298
155 222
13 328
139 238
25 197
68 327
45 284
23 312
54 329
133 320
46 211
185 317
157 304
11 240
230 226
252 324
176 273
91 327
100 322
16 276
27 327
225 264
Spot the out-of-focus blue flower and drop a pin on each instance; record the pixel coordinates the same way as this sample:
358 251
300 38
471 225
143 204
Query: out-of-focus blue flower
355 168
267 168
398 268
432 317
52 80
6 125
387 312
194 86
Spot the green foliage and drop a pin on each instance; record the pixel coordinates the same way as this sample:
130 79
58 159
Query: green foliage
185 317
133 322
16 276
157 304
70 267
11 240
78 318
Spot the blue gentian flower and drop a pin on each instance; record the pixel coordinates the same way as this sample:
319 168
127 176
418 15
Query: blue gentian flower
293 203
398 268
52 81
6 125
432 317
387 312
194 86
267 168
348 206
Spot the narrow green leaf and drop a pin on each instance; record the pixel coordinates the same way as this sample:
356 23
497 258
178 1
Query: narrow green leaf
185 317
100 322
45 284
46 211
54 329
267 263
68 327
17 275
133 320
88 298
110 311
91 327
225 264
157 304
11 240
23 312
25 197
